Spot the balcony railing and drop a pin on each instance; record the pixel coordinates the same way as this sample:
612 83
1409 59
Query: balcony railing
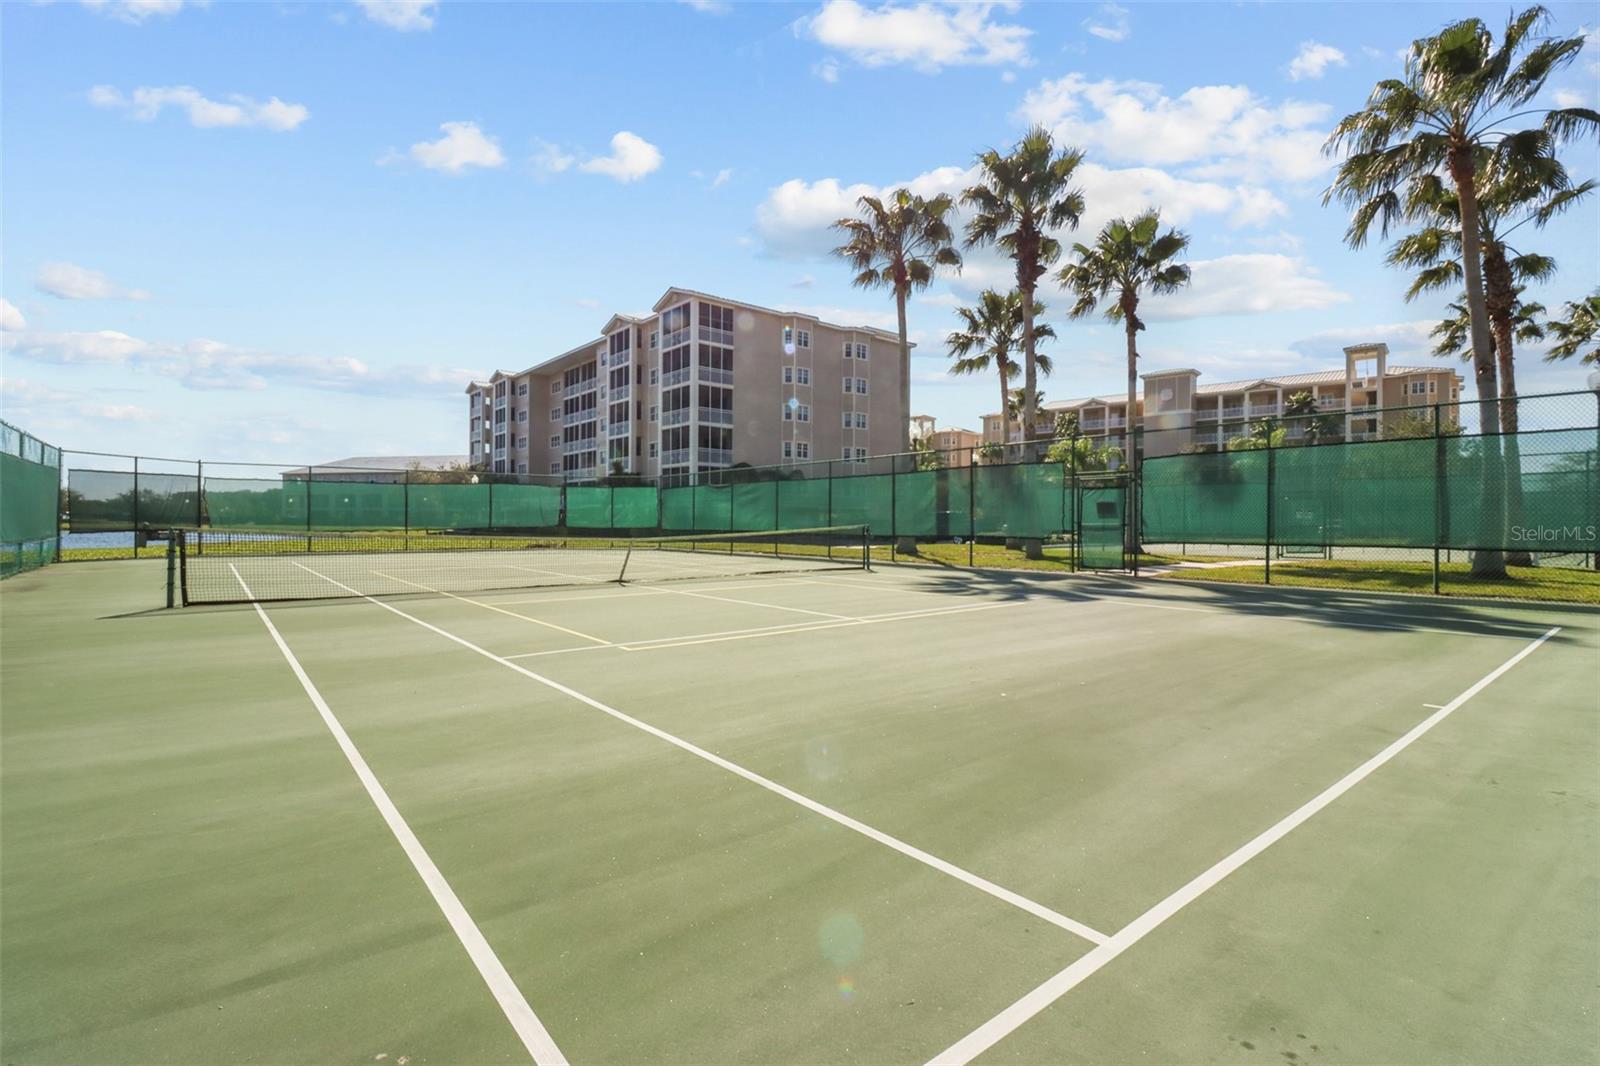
620 392
1264 409
617 429
716 375
716 336
716 416
1205 414
675 418
674 377
676 457
1233 412
581 387
1094 424
675 338
1117 422
716 455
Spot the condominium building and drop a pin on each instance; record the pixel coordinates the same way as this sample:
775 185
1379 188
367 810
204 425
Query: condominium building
956 442
699 384
1195 416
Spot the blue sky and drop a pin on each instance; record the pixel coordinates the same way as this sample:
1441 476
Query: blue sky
292 231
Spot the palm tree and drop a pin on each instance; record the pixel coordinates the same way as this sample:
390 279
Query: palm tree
1020 197
1444 115
1453 335
991 334
899 245
1129 257
1300 409
1580 329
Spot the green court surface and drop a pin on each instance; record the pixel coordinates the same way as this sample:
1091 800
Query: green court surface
877 817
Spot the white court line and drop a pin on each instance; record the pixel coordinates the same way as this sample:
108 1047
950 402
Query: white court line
754 603
480 603
535 1037
1038 910
1007 1021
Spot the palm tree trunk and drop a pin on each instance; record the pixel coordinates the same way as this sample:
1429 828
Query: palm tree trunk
1030 370
905 370
1500 300
1005 406
1487 562
1130 422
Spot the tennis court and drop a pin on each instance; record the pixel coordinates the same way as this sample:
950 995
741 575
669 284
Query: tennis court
827 815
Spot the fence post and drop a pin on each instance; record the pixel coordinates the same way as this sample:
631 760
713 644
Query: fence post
405 508
1267 554
894 519
491 504
136 507
311 476
199 493
830 506
1439 516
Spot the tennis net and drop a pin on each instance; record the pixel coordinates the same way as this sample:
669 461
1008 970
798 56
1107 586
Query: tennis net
215 566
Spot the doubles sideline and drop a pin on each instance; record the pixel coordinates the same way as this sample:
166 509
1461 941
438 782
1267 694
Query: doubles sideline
535 1037
1017 1014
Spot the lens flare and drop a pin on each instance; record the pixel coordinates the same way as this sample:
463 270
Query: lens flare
847 988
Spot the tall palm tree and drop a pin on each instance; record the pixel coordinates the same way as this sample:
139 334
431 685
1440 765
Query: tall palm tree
899 245
1128 258
1445 115
991 334
1020 197
1579 330
1453 335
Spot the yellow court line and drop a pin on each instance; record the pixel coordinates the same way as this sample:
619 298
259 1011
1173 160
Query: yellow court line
488 606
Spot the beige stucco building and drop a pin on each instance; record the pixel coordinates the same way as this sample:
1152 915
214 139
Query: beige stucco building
699 384
1192 415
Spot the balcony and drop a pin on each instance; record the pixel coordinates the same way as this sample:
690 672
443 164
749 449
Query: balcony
620 392
676 457
1259 409
1325 403
675 338
716 336
714 456
1233 412
674 377
680 417
577 418
1206 414
716 416
587 385
617 429
1116 422
1093 425
716 376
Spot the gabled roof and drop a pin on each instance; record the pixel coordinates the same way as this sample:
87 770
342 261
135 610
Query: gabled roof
675 294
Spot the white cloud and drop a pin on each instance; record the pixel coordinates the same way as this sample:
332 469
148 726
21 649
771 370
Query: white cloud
403 15
1313 61
147 102
1406 340
588 303
631 158
1218 130
709 7
827 70
550 159
72 282
805 281
794 220
210 364
22 396
1569 98
1591 45
927 36
463 145
1110 23
10 317
1254 284
136 11
723 177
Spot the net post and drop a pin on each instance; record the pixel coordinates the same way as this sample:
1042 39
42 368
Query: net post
172 566
183 567
136 507
622 574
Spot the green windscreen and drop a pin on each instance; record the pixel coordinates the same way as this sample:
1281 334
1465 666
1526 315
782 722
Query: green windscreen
357 505
802 503
1365 493
755 506
634 507
28 493
932 503
713 507
677 508
864 500
526 506
255 503
447 506
105 500
589 506
1214 498
1020 500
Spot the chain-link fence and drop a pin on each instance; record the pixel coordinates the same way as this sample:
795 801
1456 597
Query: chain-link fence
30 483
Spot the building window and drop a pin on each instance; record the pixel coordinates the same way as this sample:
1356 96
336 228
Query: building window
555 414
788 450
655 339
861 386
788 375
555 386
522 390
555 468
848 420
861 453
861 351
555 440
788 337
802 413
653 410
522 468
499 389
861 420
847 349
522 416
1418 388
652 449
655 375
802 375
788 413
846 383
802 450
1431 384
803 338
